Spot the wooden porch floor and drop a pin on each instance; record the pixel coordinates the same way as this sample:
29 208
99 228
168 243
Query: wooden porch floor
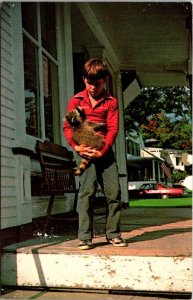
158 256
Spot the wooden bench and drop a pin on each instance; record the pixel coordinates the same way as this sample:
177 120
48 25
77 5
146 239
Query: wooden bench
57 168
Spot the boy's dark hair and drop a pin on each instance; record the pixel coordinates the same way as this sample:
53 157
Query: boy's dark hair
95 69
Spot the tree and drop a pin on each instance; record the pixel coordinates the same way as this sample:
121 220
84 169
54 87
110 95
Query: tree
163 114
178 175
174 134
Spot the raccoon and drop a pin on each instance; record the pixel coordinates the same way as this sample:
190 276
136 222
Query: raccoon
84 132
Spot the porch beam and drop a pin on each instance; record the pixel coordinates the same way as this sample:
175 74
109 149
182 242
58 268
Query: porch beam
98 32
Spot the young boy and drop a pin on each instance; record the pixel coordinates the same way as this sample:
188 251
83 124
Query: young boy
100 107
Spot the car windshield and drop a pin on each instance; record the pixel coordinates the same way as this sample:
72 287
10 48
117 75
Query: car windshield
149 186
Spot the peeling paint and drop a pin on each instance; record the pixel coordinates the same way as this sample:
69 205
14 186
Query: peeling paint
180 258
155 277
97 271
150 266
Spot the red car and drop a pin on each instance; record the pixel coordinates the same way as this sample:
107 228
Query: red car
160 190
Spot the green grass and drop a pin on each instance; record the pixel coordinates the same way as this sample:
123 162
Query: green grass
171 202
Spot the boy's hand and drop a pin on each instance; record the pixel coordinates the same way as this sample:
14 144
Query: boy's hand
81 148
87 152
91 153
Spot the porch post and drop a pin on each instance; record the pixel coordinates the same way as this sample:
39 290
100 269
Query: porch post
120 145
153 165
65 67
158 171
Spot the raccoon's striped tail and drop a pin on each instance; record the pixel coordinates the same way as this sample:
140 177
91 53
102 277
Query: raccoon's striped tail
82 166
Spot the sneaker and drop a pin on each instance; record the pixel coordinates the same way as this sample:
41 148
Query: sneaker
85 245
117 242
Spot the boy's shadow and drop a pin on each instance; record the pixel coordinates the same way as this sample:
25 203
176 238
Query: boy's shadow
154 235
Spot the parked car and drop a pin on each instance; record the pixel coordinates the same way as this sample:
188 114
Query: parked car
160 190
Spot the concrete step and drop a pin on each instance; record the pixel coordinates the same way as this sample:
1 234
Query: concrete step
90 295
158 258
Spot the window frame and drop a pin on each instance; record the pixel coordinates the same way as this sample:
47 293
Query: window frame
40 53
65 74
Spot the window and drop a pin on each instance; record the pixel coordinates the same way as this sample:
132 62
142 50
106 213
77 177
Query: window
40 70
133 148
29 18
48 27
178 161
32 104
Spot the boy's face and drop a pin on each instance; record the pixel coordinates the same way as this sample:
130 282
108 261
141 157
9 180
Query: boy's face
94 87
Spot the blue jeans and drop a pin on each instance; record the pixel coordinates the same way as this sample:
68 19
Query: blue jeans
103 170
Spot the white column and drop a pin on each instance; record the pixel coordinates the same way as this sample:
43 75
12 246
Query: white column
66 78
120 145
153 166
158 172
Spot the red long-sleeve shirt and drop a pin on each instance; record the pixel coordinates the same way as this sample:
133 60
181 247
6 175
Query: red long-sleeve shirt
105 111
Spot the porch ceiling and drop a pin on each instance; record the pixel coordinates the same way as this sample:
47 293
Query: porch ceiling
152 39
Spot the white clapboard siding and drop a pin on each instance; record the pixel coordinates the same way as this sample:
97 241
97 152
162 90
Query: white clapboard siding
6 95
8 171
7 82
7 191
6 151
8 165
7 112
6 73
8 212
7 131
8 202
6 100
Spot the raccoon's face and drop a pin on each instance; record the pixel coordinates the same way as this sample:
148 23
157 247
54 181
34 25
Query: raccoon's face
81 112
76 116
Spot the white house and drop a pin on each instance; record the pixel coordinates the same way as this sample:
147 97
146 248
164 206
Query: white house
142 165
176 159
43 48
